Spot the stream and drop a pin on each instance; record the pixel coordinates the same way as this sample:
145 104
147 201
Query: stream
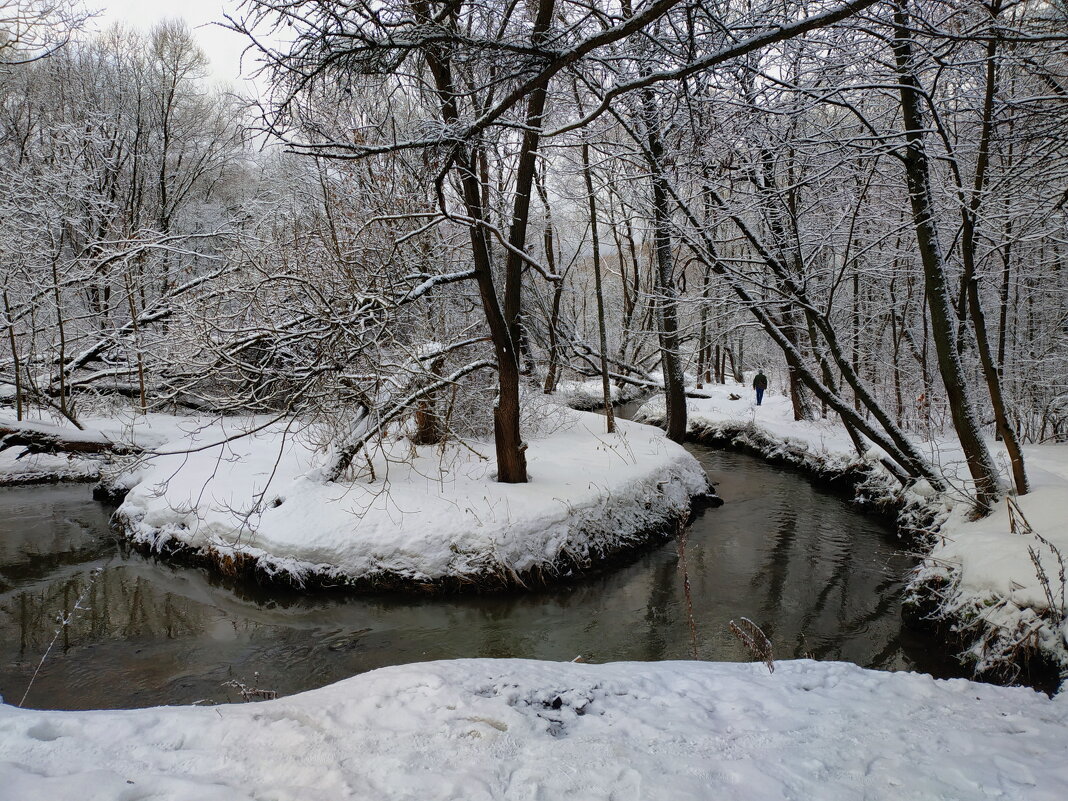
822 580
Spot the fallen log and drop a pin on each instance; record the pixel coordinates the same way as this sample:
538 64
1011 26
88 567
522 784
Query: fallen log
45 438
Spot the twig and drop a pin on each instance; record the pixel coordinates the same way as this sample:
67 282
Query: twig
681 540
64 620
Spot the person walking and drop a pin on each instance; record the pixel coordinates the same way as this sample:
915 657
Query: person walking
760 383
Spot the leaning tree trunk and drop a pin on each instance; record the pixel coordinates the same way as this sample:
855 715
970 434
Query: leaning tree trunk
508 443
970 214
552 372
506 416
704 347
940 306
15 362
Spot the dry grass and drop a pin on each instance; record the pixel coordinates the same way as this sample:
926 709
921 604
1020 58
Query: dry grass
754 640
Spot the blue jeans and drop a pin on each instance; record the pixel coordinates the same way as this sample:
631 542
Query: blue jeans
760 396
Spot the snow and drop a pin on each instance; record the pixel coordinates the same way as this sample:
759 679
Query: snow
994 595
589 394
123 427
512 729
424 514
993 581
774 416
818 446
40 468
66 432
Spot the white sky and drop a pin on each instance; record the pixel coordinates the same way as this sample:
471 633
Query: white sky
222 47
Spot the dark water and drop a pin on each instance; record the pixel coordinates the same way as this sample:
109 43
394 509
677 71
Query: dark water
822 580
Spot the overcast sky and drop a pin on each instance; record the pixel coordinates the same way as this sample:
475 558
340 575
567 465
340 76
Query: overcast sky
221 46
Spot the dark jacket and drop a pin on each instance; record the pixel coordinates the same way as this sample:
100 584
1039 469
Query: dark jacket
760 381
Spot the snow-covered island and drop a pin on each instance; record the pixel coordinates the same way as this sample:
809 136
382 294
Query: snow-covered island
407 516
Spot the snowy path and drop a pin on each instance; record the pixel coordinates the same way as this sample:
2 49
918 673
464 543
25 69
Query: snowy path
509 729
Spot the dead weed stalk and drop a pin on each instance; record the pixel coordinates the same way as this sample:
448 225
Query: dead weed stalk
755 640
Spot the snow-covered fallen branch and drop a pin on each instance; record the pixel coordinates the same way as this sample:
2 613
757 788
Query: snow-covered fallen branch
44 438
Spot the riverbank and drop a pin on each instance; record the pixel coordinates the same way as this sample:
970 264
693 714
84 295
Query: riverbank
824 579
44 468
993 589
511 729
429 518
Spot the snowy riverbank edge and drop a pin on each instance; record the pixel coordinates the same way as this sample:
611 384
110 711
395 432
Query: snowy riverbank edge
976 585
513 729
427 518
18 469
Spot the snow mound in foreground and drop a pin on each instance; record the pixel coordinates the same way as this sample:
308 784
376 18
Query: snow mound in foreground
422 515
511 729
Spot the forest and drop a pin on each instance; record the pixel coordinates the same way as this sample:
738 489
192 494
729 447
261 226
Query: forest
492 197
342 325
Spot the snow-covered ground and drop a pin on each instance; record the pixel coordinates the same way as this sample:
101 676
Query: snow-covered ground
774 415
729 413
988 582
511 729
17 467
1008 588
422 515
42 468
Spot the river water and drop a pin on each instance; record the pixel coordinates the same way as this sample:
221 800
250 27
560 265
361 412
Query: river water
821 580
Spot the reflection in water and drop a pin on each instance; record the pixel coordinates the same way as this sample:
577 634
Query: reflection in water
820 579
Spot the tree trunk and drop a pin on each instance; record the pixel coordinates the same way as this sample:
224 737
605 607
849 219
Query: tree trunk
552 372
511 459
940 305
606 388
15 362
509 446
970 214
667 308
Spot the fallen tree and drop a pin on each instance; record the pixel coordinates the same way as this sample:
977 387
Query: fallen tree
44 438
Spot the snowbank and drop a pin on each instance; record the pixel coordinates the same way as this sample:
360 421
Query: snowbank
728 414
124 428
44 468
1007 588
19 467
422 516
511 729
